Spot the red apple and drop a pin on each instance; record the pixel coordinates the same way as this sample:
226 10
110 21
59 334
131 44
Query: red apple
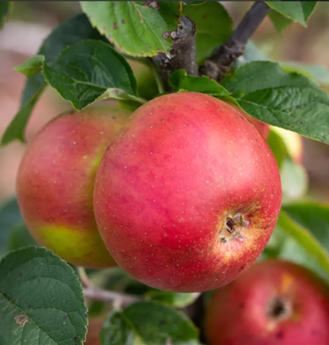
187 194
273 303
263 128
56 179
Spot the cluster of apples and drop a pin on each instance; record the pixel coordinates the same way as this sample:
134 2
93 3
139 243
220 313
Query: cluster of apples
183 194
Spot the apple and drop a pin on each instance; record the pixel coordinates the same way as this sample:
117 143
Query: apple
274 302
187 194
56 179
263 128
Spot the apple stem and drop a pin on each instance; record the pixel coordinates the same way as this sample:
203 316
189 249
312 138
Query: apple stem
217 66
93 293
83 277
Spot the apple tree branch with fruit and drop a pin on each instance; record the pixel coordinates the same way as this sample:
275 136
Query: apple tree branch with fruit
149 215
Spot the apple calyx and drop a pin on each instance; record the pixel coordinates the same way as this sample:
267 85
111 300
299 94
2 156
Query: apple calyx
232 228
279 309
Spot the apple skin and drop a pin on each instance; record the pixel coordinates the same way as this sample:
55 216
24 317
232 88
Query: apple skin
263 128
56 179
249 308
173 173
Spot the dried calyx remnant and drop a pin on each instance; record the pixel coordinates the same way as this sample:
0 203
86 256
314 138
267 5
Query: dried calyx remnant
279 309
232 228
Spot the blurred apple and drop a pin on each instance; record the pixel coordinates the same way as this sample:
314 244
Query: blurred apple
55 183
273 303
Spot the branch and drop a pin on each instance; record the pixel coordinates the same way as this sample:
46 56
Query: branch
121 299
217 66
182 53
95 294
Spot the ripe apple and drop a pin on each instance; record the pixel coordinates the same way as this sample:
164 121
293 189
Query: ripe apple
263 128
187 194
56 179
274 302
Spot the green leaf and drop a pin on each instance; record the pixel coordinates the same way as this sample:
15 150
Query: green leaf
67 33
147 77
312 216
261 75
41 300
15 130
31 66
13 232
180 81
277 146
297 11
91 70
70 32
148 323
214 26
282 99
136 29
279 21
20 237
10 216
114 279
5 7
315 72
175 299
294 180
293 242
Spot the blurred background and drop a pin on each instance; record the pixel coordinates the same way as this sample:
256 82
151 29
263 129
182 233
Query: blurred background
31 22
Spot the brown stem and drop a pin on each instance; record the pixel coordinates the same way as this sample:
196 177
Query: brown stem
182 53
95 294
217 66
